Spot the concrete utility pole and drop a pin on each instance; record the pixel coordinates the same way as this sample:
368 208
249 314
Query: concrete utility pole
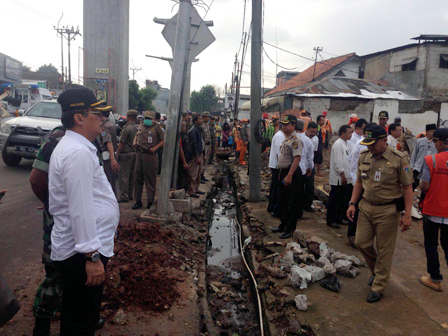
315 60
69 34
255 103
177 79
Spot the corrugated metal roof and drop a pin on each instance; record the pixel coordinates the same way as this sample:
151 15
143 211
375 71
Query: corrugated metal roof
350 88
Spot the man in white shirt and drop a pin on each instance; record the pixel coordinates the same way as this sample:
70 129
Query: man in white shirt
307 162
277 140
353 159
308 180
395 131
85 212
357 134
340 180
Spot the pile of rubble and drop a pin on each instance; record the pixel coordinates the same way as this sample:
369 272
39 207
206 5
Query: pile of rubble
309 260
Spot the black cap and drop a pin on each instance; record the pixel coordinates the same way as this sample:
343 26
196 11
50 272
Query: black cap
81 99
373 134
431 127
397 119
288 119
383 115
441 134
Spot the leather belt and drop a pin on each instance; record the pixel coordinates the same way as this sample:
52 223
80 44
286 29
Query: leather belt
379 204
145 151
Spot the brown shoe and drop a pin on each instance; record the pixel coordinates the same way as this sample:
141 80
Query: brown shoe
351 241
437 286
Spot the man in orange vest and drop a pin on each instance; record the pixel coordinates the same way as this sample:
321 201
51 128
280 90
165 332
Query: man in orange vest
434 182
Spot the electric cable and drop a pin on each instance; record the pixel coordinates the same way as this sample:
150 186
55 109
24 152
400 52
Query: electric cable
260 312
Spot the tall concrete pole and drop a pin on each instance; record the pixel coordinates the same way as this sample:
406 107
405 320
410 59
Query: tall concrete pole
187 89
174 104
255 103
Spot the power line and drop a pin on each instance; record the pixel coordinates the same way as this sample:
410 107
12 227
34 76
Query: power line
280 66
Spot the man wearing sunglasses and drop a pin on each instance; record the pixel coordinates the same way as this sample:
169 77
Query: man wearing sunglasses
85 212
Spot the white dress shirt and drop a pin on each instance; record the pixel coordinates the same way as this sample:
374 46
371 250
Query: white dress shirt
315 141
424 147
353 159
339 163
276 142
83 205
307 161
392 142
352 142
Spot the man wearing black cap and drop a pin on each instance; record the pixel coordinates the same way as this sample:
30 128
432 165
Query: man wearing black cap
424 147
383 118
384 180
290 177
85 212
434 182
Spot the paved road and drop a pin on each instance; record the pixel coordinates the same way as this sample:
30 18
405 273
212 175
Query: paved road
20 221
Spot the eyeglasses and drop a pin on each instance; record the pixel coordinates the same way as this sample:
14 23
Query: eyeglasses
105 114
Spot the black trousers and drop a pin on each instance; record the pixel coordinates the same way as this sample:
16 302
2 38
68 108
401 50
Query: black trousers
291 197
351 231
416 180
160 154
273 192
337 203
431 234
80 303
266 143
308 191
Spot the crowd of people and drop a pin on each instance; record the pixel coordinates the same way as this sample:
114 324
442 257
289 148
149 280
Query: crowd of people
372 188
372 183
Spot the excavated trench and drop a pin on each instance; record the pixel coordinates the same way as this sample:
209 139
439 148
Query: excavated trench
231 295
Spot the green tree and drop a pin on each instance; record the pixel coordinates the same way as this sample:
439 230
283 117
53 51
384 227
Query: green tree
204 100
45 72
141 99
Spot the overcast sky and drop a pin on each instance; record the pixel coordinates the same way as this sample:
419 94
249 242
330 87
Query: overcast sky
339 26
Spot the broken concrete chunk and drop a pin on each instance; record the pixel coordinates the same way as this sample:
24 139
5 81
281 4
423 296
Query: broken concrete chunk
294 247
286 261
301 302
356 261
345 267
317 273
337 256
329 269
299 238
300 277
322 261
276 272
178 194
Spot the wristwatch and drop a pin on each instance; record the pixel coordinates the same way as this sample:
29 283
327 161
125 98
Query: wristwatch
351 203
94 258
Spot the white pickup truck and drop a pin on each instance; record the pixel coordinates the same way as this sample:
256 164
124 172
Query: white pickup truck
21 137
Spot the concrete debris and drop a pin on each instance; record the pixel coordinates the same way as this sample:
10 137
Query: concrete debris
345 267
317 273
329 269
276 272
298 237
294 247
300 277
178 194
341 256
301 302
316 240
286 261
119 317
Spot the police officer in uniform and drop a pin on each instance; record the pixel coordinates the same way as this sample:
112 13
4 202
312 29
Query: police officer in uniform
126 157
148 139
108 143
290 177
160 151
384 179
207 136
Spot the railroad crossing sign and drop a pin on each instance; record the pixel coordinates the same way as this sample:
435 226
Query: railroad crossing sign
200 36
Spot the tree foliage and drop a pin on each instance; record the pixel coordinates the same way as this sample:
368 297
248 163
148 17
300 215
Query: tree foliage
204 100
141 99
46 72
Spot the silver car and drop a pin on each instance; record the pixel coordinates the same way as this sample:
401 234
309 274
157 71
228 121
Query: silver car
21 137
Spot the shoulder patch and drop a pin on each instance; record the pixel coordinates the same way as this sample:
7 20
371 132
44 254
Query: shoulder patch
294 136
295 144
396 152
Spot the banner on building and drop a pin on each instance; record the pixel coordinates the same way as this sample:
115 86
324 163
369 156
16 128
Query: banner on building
229 102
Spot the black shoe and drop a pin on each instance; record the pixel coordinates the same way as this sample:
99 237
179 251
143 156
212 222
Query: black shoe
194 195
372 278
149 205
343 222
333 225
285 235
200 192
276 229
100 324
374 297
137 205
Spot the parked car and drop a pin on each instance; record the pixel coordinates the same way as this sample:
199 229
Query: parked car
21 137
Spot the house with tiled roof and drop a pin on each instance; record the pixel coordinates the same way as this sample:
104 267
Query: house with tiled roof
346 66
